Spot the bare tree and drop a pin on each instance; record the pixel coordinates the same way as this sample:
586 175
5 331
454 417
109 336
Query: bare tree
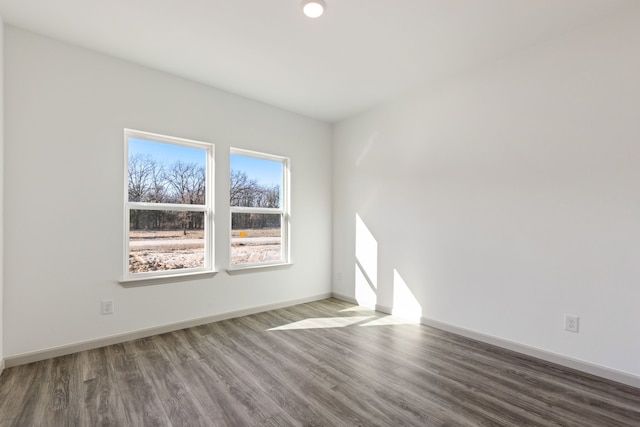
155 182
158 192
187 182
247 192
269 197
242 189
140 171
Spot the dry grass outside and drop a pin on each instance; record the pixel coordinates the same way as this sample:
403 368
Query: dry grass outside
165 234
256 232
169 246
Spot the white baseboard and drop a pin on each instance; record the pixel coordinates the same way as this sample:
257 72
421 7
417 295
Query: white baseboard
559 359
384 309
344 298
35 356
1 365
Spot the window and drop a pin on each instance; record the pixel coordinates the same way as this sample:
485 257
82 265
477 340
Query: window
168 206
259 209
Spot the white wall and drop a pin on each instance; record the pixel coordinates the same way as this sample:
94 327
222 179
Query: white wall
1 193
66 108
505 197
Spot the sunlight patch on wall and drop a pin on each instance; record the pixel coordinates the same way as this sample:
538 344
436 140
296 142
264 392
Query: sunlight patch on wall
405 303
365 293
366 265
366 148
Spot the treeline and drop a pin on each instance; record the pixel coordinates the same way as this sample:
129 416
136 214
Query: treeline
152 181
248 192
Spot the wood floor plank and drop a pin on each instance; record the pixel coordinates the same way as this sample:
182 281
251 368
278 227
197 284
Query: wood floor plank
214 395
141 403
554 393
237 395
353 381
377 369
103 404
413 357
365 377
486 356
34 405
65 405
270 376
291 363
177 348
16 384
355 408
326 363
179 403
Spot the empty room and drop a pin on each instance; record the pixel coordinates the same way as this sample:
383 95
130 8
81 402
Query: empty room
319 213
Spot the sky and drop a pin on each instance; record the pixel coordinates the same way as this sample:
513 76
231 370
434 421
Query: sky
266 172
167 153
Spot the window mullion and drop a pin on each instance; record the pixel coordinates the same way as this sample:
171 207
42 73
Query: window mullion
166 206
241 209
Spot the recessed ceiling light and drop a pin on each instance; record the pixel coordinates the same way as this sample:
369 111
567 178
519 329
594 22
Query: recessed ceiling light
313 8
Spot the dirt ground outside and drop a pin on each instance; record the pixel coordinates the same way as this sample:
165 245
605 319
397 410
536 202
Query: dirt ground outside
255 245
151 250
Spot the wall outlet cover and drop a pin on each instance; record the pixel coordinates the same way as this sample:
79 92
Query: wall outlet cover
107 306
571 323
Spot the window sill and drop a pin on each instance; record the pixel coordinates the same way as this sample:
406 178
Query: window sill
254 268
161 280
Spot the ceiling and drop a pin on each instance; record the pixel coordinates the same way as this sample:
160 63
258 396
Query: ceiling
359 54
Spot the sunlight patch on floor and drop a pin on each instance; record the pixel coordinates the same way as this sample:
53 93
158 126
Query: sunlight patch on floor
323 322
342 322
390 320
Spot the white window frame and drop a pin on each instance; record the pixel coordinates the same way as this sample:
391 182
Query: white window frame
284 210
207 208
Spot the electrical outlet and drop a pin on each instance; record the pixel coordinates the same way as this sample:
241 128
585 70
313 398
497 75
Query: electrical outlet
107 306
571 323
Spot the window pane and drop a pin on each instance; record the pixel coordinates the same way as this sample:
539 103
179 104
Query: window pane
165 240
160 172
256 238
255 182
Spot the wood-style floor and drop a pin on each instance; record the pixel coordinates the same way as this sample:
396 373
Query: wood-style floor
326 363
